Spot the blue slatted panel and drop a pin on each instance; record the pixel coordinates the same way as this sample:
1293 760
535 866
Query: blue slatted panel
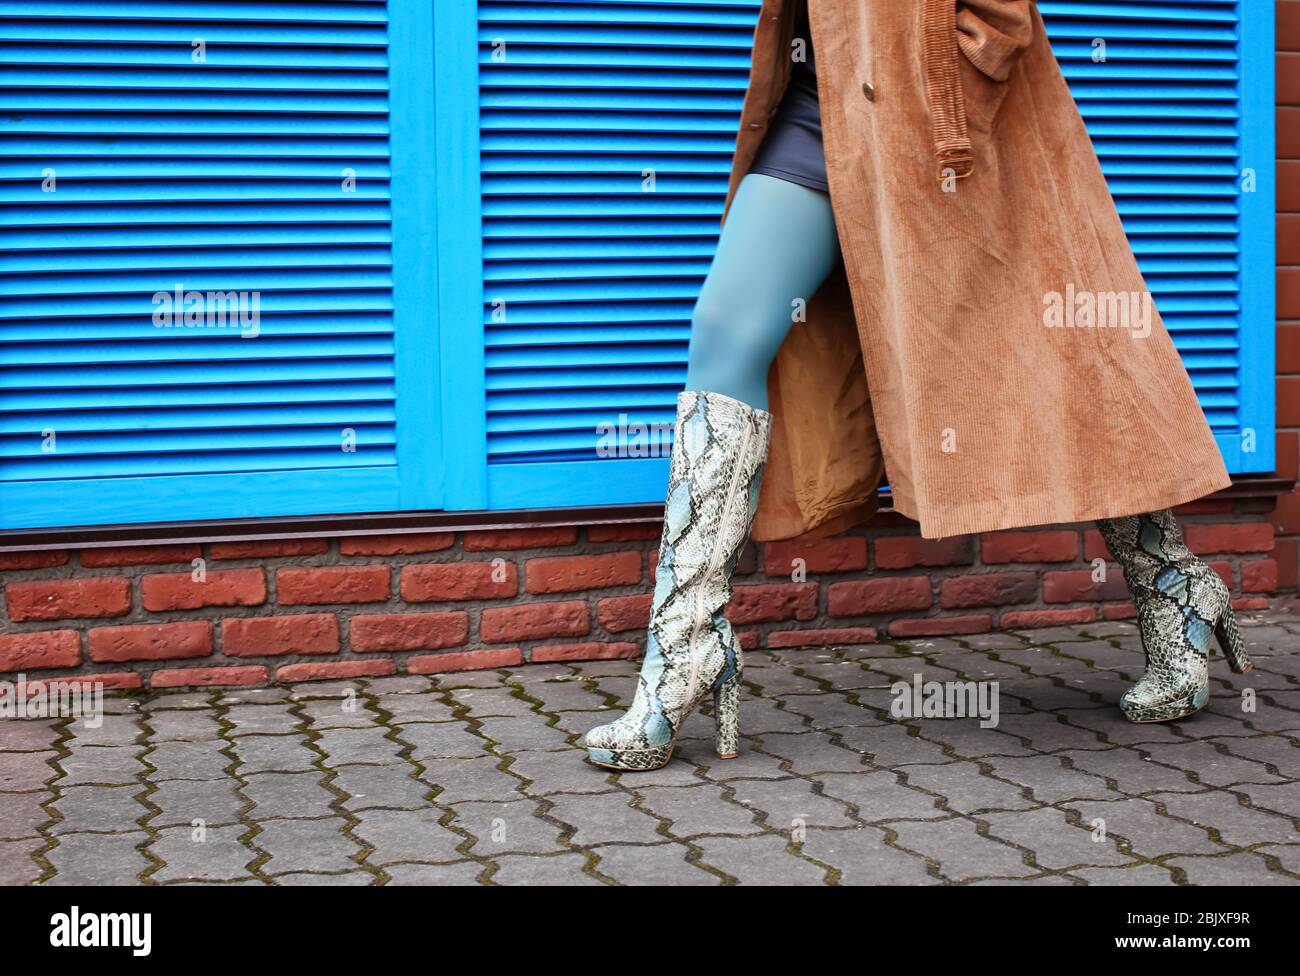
596 271
223 174
589 280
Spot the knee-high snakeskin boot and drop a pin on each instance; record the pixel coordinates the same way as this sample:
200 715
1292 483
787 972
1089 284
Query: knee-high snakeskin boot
1179 601
718 453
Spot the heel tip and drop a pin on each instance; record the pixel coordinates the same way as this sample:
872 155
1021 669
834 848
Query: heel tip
728 755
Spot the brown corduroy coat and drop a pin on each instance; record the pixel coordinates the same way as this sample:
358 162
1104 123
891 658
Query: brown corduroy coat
973 216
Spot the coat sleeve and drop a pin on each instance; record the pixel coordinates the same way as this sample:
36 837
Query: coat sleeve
993 33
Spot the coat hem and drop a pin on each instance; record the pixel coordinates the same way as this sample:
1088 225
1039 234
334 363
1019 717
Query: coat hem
1046 510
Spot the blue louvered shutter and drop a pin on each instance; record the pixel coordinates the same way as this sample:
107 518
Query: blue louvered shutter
1178 98
606 133
589 279
223 145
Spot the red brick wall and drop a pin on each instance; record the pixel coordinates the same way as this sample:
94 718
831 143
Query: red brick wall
1287 517
251 612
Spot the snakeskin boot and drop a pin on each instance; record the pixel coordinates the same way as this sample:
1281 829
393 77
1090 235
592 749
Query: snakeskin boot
719 448
1179 601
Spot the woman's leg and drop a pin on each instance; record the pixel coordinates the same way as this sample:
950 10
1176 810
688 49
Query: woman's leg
777 246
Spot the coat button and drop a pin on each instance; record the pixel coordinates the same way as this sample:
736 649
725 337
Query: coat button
869 90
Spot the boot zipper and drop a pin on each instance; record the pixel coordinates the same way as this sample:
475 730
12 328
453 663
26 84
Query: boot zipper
714 558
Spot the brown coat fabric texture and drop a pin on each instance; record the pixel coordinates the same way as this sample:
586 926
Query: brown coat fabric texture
973 216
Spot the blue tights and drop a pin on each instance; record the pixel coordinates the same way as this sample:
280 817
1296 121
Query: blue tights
777 246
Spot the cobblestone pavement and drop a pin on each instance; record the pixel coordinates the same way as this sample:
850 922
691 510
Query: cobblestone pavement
475 778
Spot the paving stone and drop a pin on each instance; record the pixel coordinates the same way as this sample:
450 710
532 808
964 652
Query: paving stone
16 864
358 746
1149 834
763 715
270 719
1046 733
765 860
542 871
416 708
502 702
1234 823
288 795
441 740
339 713
1281 798
1233 869
894 745
839 674
1056 844
700 809
112 730
350 879
1036 659
964 738
21 814
214 854
434 875
829 710
547 772
808 753
177 699
605 817
791 804
98 859
863 857
380 786
651 864
278 753
110 765
470 679
305 690
520 734
1049 779
975 666
184 726
399 684
1130 771
98 808
1288 855
306 845
407 835
1112 727
1127 875
879 796
454 780
183 801
28 734
997 641
967 789
511 827
1049 695
1208 764
771 682
751 763
959 850
556 696
254 695
189 760
1043 635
